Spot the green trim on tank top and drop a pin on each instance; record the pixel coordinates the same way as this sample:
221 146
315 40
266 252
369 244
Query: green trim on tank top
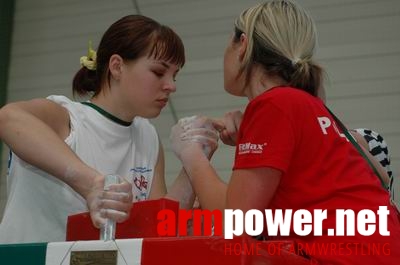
107 114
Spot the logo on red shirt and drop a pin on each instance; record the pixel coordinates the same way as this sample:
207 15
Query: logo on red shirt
249 148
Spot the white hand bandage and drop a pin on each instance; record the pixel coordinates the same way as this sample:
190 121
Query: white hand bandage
194 130
113 203
208 138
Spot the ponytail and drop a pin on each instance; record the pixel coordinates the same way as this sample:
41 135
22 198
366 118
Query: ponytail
303 74
85 81
307 76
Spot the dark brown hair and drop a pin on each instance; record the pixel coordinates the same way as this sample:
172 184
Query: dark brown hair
130 37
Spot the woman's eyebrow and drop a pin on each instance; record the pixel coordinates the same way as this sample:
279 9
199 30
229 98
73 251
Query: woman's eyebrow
166 65
162 63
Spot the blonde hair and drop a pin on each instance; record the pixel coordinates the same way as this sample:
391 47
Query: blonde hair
282 37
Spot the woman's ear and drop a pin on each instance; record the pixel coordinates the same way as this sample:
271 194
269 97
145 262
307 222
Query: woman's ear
243 46
115 65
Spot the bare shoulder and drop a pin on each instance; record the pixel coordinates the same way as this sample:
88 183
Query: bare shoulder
51 113
360 139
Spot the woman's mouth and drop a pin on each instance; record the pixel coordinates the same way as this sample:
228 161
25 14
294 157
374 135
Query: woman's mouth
163 102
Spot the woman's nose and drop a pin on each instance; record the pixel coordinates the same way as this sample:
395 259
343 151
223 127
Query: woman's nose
170 85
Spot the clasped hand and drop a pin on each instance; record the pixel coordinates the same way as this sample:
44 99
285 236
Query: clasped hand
195 133
114 203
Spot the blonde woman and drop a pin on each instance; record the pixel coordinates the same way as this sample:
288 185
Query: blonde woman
289 152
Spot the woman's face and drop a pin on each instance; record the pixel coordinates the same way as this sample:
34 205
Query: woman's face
146 85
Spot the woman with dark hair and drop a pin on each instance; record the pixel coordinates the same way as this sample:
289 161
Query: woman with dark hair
290 152
62 149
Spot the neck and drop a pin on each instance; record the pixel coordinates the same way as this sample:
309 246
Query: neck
261 82
113 106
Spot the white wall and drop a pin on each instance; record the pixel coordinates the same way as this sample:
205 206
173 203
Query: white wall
359 46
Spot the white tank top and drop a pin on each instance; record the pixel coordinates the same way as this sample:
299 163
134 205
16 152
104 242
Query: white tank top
38 203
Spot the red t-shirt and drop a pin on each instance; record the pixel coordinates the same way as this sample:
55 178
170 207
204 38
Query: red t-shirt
289 130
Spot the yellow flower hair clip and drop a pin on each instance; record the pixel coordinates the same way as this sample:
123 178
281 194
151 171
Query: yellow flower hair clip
89 61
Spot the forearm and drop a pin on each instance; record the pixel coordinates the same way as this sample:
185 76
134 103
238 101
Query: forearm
208 187
182 191
37 144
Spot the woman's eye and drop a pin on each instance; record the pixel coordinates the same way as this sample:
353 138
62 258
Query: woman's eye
158 73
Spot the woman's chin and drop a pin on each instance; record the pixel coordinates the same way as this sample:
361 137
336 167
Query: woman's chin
151 114
234 92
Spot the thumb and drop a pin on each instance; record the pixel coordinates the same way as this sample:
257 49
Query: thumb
218 124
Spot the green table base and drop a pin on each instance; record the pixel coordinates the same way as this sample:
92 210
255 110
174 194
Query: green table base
22 254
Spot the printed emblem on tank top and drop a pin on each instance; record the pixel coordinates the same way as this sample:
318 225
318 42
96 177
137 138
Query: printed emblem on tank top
140 177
